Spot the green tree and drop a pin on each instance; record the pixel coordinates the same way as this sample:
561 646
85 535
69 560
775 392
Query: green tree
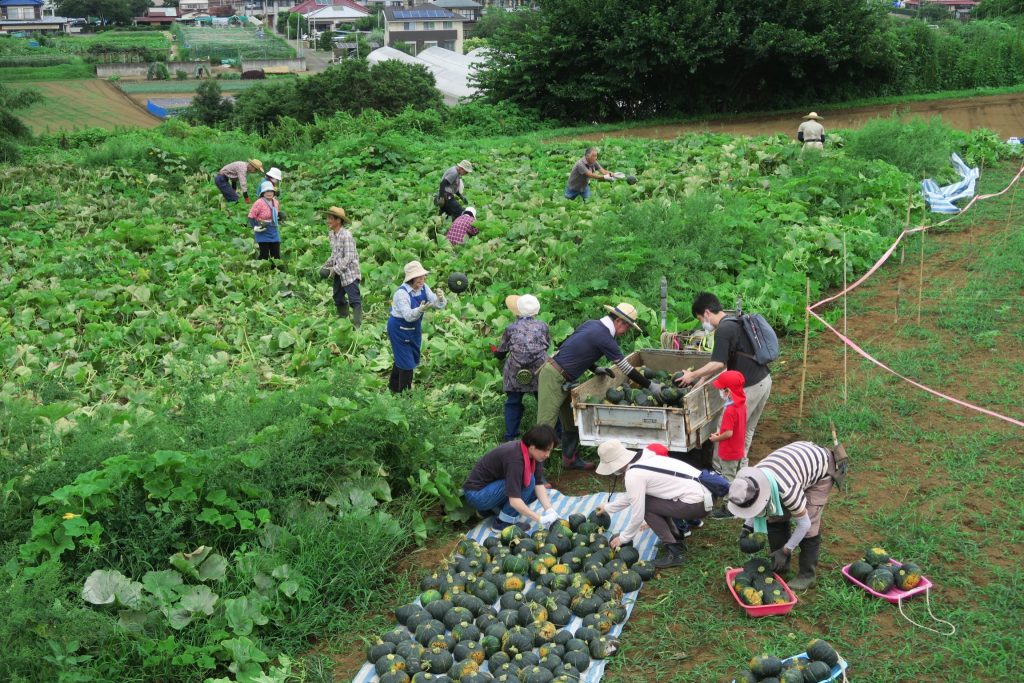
109 11
256 109
492 19
998 8
208 107
13 127
397 85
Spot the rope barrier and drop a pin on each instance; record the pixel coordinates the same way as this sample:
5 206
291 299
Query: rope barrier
928 604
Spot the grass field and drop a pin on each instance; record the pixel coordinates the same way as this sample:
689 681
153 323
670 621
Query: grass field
161 87
60 72
229 43
70 105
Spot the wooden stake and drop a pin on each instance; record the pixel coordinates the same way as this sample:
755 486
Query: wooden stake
903 253
920 279
1009 218
845 319
807 331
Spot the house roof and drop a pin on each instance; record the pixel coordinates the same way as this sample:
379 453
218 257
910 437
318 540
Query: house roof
427 12
21 3
307 6
458 4
332 13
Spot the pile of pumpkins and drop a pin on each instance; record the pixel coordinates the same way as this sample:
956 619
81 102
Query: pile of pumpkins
814 666
628 395
482 608
880 573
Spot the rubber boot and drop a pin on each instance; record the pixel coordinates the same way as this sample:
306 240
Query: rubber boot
808 561
778 534
342 310
357 315
675 555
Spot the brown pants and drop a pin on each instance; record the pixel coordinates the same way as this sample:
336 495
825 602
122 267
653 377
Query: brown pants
659 513
817 499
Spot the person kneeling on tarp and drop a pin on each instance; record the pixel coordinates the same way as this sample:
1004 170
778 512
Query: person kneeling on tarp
658 491
510 477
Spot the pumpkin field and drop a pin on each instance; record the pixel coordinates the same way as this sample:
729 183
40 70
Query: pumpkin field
204 478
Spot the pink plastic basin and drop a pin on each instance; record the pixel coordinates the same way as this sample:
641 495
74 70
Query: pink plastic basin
894 594
760 610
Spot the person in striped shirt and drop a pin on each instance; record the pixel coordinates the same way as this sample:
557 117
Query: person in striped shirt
791 484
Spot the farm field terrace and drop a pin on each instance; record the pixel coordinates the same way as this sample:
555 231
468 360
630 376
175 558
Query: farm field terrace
75 105
167 391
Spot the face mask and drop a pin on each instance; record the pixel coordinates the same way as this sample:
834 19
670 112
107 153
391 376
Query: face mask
726 395
708 327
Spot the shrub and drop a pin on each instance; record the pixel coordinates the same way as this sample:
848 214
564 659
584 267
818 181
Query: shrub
919 147
157 71
181 75
253 75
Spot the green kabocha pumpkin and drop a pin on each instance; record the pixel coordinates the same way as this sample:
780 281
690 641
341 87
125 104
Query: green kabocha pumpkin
579 659
510 533
560 615
477 677
629 581
751 545
907 576
747 677
425 677
551 662
817 672
388 663
602 519
587 634
469 649
792 676
765 666
395 635
575 520
880 580
876 556
437 660
603 647
536 674
628 554
394 677
644 569
410 649
469 602
466 667
758 565
860 570
457 615
820 651
379 648
517 640
531 612
466 631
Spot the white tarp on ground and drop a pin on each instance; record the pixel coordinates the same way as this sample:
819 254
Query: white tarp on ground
450 69
940 199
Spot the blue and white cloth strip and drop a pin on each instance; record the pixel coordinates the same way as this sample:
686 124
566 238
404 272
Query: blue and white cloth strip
941 199
645 544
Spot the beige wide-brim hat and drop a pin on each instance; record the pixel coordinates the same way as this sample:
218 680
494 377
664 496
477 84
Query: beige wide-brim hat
614 456
749 493
255 163
526 305
625 312
413 269
813 115
337 212
465 166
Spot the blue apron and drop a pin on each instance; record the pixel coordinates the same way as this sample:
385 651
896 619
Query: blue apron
407 337
270 234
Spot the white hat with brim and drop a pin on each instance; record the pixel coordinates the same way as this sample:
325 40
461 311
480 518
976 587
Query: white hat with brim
624 312
526 305
465 166
274 173
614 456
749 493
813 115
413 269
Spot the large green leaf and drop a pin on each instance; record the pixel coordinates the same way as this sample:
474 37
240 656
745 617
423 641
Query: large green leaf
111 587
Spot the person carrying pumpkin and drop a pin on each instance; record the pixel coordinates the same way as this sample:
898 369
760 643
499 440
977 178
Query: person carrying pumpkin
524 348
405 324
577 354
659 490
791 484
510 477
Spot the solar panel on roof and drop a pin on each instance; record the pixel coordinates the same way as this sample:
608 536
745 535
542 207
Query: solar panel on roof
422 14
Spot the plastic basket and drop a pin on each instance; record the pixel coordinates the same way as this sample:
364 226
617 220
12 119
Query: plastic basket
760 610
894 594
837 670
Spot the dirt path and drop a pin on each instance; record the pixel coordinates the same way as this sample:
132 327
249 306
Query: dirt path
1003 114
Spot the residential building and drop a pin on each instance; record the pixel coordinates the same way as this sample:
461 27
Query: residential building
423 26
958 9
470 10
332 18
201 6
158 16
27 15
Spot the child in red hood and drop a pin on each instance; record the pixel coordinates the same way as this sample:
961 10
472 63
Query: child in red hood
732 430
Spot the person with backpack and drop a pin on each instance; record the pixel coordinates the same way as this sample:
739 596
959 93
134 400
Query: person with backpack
524 348
735 350
264 219
659 490
405 324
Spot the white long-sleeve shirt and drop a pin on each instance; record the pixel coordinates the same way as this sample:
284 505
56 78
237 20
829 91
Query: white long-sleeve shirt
642 483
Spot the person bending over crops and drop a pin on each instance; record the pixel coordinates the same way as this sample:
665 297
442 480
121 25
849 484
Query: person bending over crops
524 348
510 477
659 490
343 267
462 226
232 178
733 351
405 325
452 187
792 483
264 219
577 354
585 170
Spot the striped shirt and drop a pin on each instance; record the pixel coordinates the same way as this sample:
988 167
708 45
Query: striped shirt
236 171
797 467
344 261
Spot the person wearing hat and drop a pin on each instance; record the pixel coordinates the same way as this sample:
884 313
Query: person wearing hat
452 187
232 178
585 170
577 354
274 175
811 132
659 490
510 477
790 484
405 324
524 348
462 226
732 351
264 219
343 266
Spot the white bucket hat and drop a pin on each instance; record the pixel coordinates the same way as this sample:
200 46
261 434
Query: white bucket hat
812 115
274 173
749 493
614 456
470 209
465 166
413 269
525 306
625 312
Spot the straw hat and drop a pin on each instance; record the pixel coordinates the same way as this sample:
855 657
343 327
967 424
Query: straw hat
525 305
749 493
813 115
614 456
255 163
465 166
624 312
337 212
413 269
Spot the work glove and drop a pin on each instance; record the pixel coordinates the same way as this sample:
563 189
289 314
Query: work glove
655 388
607 372
247 200
569 386
548 517
780 560
745 531
325 273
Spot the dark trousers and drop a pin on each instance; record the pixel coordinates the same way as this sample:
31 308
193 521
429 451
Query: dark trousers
227 187
400 380
269 250
659 513
514 412
351 291
452 208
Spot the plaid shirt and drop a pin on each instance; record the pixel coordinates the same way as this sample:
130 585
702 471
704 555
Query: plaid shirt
236 171
344 261
462 226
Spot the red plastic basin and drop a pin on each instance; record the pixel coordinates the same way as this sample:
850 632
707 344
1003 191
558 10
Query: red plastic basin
760 610
894 594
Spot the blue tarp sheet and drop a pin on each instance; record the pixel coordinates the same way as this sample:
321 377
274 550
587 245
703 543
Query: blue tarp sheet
941 199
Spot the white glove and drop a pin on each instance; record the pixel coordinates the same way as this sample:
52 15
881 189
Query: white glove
548 517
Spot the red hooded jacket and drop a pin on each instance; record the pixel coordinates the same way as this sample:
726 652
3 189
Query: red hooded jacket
734 417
